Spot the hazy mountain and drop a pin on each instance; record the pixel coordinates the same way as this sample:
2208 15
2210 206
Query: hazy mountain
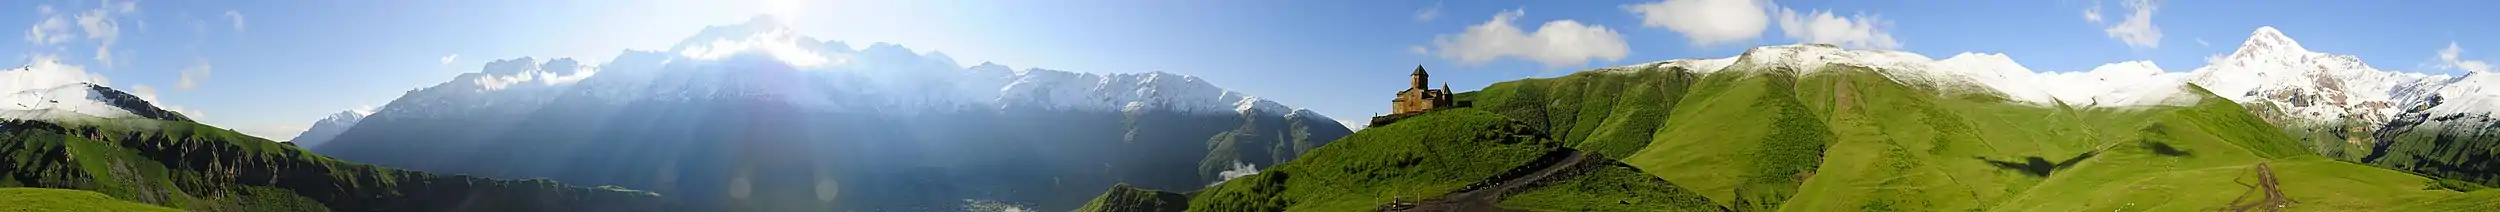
322 131
752 117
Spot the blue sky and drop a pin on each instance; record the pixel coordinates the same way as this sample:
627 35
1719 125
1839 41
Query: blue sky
273 67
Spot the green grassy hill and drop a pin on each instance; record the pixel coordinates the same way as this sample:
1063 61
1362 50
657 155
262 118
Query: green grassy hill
196 167
45 199
1428 156
1125 198
1848 138
1839 138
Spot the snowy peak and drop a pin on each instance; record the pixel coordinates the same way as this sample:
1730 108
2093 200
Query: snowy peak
48 90
524 81
2137 83
1807 58
2268 41
346 117
1128 93
322 131
522 72
2310 86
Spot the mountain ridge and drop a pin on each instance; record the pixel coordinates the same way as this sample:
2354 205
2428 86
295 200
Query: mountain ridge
322 131
757 97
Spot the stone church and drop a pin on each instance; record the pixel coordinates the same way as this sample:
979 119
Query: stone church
1418 97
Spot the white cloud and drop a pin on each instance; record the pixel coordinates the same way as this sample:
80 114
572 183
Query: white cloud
1556 43
1420 50
237 18
100 24
2201 42
192 76
1239 169
1856 31
53 29
1707 22
2136 29
447 59
2449 58
2093 14
1429 13
144 92
44 62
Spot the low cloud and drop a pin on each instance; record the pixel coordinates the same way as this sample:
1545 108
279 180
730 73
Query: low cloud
1554 44
2450 58
148 93
144 92
1707 22
274 132
1239 169
2137 28
50 62
1857 31
447 59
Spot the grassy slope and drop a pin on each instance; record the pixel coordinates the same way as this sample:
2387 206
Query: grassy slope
44 199
1610 113
1756 140
1125 198
1898 146
1419 158
2458 151
1610 188
198 167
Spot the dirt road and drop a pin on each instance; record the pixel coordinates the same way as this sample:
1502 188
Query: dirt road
1482 198
2274 199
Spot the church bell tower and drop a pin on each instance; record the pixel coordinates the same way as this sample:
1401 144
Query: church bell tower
1421 80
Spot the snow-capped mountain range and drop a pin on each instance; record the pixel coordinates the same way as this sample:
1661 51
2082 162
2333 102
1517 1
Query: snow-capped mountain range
49 90
2269 69
764 60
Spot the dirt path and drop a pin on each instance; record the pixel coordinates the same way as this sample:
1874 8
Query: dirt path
2274 201
1840 96
1482 198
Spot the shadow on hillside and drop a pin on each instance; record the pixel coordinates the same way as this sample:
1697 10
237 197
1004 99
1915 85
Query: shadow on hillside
2164 149
2150 143
2037 166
